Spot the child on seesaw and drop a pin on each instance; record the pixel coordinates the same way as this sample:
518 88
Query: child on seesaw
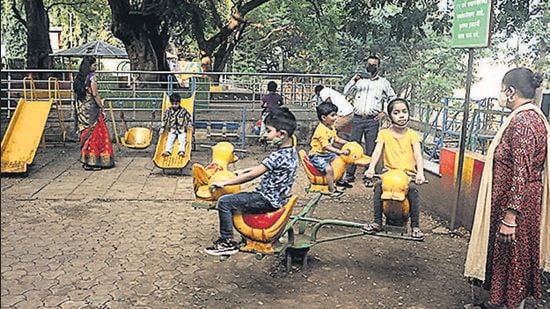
279 172
401 149
178 119
322 150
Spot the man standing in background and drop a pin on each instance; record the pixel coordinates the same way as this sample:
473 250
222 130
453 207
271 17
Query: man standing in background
370 95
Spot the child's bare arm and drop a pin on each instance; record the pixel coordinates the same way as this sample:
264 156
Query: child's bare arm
376 154
335 150
244 171
340 140
242 178
420 178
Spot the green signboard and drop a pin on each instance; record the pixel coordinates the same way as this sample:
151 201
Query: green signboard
472 23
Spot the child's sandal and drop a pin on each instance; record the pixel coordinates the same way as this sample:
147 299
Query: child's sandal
368 183
336 193
369 228
417 233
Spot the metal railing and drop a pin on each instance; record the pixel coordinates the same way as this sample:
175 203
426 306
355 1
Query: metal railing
140 97
442 125
210 87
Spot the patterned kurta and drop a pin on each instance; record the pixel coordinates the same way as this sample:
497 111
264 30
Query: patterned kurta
513 269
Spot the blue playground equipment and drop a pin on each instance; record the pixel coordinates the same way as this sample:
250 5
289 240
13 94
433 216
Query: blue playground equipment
444 128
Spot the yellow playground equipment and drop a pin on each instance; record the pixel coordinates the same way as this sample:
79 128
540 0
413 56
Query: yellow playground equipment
174 161
318 180
27 126
137 137
203 176
260 231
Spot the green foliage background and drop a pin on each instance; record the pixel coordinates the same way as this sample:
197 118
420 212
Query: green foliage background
326 36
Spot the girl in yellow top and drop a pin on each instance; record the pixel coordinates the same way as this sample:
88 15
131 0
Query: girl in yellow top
322 150
401 149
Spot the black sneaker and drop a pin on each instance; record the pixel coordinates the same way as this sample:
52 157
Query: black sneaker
222 246
349 180
344 184
337 193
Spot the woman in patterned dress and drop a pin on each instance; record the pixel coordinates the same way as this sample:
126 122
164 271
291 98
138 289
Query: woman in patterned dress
95 142
510 236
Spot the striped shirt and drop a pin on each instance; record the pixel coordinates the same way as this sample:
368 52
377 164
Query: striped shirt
370 95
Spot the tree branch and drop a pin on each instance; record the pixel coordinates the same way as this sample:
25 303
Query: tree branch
215 15
67 3
18 16
275 30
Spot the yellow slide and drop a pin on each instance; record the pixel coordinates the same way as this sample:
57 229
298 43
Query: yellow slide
174 161
23 135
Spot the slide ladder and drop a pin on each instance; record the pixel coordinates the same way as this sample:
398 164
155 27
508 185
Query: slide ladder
55 128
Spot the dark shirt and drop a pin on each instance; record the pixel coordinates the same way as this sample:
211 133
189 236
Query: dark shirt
276 184
272 101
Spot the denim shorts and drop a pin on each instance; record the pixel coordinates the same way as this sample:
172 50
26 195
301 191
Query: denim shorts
321 161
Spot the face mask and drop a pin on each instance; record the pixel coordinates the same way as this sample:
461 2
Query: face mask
503 99
275 143
371 68
399 125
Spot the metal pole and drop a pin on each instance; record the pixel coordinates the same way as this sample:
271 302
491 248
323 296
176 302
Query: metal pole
463 137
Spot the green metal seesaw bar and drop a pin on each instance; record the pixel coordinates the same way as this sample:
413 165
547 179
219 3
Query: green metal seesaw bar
305 217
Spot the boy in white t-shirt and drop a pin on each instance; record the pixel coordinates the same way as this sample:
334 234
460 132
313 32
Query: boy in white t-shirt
345 109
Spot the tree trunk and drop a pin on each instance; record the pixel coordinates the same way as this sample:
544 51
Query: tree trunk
221 45
38 37
144 37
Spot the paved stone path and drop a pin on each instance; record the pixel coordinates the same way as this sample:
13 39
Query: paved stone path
114 238
128 237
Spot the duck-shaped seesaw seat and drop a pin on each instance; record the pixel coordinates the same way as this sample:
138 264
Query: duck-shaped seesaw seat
395 187
318 181
203 177
262 230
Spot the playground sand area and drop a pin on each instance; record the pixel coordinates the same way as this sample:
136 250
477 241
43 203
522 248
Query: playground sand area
128 237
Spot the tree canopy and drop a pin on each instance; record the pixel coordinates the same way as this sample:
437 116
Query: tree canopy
315 36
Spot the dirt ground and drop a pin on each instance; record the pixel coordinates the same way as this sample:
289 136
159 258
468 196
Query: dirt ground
68 245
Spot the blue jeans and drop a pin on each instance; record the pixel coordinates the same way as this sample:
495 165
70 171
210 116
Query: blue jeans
244 202
321 161
414 204
362 128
